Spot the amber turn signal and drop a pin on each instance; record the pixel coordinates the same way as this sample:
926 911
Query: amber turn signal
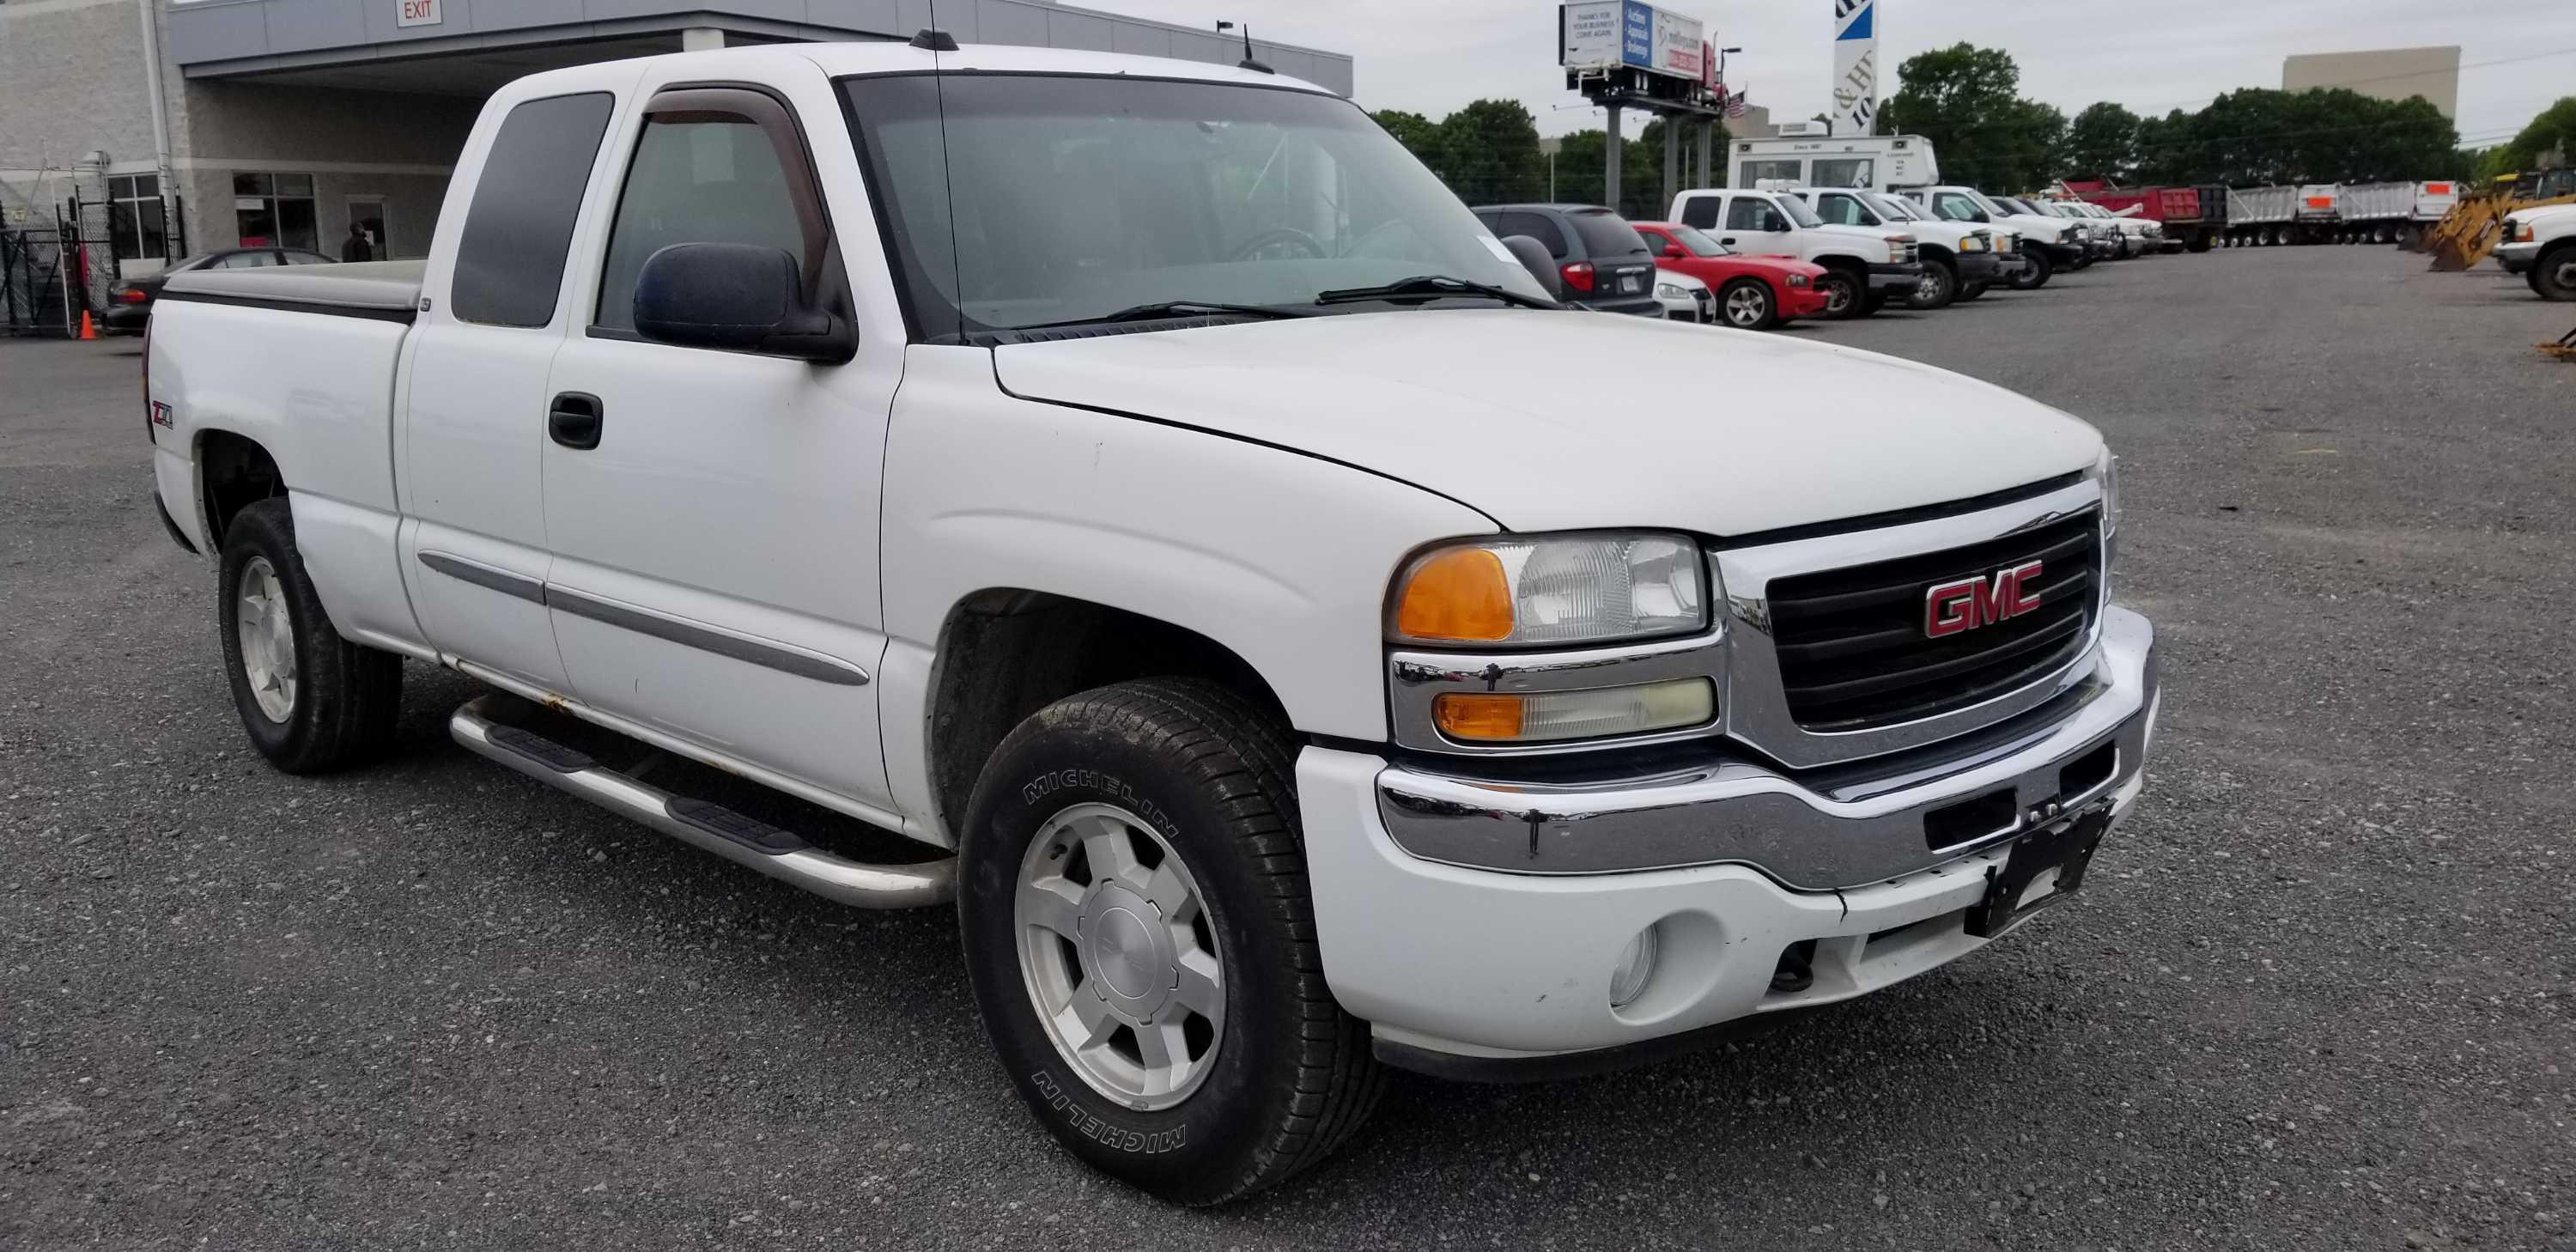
1478 718
1461 594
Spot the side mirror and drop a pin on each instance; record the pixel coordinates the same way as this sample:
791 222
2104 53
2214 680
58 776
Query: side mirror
737 297
1676 251
1533 257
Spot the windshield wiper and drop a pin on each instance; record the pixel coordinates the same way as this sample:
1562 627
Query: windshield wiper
1431 287
1162 310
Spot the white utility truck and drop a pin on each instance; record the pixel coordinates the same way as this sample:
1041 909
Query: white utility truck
2540 244
1865 267
1141 488
1960 260
2049 242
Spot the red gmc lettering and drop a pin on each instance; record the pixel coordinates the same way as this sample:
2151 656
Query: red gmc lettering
1969 603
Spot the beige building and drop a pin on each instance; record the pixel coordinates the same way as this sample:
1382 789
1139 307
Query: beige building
2390 74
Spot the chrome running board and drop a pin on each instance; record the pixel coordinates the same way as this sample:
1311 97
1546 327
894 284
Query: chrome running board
738 838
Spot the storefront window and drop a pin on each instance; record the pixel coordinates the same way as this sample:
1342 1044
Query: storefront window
136 216
275 210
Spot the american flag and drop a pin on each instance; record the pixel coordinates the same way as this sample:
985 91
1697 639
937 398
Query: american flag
1735 106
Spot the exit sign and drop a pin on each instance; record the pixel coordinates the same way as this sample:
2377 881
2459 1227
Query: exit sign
417 13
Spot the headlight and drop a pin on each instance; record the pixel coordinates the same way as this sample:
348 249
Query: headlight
1562 589
1973 243
1672 291
2106 470
1797 280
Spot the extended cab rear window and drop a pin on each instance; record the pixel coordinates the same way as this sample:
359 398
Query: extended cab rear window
510 261
1605 234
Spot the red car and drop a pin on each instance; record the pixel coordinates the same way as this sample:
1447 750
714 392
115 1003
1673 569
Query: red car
1753 292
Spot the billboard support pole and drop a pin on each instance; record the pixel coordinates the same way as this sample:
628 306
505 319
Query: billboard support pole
1611 151
1672 158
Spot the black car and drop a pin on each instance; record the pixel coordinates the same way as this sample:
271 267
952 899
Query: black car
129 303
1598 255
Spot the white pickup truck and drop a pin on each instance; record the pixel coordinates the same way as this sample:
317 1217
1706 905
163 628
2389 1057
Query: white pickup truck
2049 242
2540 245
1864 267
1142 485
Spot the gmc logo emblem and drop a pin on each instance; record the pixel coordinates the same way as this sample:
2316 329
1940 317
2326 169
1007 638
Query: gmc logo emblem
1968 603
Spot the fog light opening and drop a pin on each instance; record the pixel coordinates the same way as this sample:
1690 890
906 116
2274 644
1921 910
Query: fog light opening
1635 969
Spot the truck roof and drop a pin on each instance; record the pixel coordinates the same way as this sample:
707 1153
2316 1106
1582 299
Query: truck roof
839 59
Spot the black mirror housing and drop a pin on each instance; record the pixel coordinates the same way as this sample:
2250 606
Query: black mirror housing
737 297
1533 257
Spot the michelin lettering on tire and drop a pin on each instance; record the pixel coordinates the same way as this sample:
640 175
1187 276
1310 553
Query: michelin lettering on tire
1053 781
1109 1134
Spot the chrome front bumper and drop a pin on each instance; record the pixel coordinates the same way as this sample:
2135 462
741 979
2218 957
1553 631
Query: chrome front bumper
1814 829
2517 258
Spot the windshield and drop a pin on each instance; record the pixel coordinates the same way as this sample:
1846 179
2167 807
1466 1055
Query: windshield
1988 205
1799 212
1893 207
1698 242
1023 200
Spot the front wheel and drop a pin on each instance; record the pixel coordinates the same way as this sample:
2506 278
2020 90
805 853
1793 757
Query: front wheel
1973 290
2035 275
1746 304
1844 293
1937 288
2554 275
311 700
1142 946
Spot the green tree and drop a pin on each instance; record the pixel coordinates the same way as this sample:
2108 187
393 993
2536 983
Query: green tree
2102 142
1967 101
2553 131
2258 136
1489 153
1419 135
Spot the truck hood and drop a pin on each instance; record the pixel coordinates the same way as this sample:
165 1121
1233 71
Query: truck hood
1560 421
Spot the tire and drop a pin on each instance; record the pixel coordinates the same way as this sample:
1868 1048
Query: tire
1845 292
2199 243
1973 290
1193 774
2036 274
2084 259
2554 274
1872 304
1748 304
337 704
1939 287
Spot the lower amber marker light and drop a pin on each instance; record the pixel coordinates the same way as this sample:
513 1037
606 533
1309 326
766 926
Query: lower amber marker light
1556 716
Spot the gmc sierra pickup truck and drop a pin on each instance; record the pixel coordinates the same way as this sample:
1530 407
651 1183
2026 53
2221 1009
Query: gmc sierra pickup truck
1145 487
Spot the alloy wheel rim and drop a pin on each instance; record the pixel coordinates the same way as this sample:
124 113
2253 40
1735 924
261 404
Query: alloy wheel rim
1119 956
1745 306
2564 273
1838 296
265 631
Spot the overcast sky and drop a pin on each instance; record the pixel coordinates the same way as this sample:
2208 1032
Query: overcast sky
1431 56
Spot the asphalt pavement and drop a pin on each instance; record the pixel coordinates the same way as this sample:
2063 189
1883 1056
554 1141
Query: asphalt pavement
2315 994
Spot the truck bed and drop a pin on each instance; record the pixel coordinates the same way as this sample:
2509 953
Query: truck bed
301 361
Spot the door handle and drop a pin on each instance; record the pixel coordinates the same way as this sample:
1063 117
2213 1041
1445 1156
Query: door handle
574 420
1729 241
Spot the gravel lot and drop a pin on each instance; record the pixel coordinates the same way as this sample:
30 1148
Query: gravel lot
2316 995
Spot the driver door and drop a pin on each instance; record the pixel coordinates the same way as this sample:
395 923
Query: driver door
713 513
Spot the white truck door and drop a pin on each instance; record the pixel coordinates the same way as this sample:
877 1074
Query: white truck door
715 539
474 551
1754 224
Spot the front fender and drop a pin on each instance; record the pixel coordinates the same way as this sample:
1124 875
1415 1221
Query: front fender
1280 556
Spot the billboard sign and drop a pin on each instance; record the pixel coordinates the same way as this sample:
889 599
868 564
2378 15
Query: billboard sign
1611 34
1855 67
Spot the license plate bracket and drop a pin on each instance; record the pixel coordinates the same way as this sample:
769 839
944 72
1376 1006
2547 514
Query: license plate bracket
2065 848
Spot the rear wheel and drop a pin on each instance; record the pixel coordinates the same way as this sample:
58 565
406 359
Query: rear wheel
2199 243
1747 304
1142 948
310 700
1844 292
1936 289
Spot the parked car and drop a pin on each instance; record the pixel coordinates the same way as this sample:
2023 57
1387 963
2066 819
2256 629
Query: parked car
1863 269
2540 245
1960 259
1685 299
1598 257
129 303
2049 242
2102 242
1753 292
1297 644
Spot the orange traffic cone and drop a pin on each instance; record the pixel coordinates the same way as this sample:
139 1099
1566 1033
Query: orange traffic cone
88 331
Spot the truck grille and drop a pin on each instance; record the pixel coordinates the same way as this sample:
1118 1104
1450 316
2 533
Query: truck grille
1853 648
